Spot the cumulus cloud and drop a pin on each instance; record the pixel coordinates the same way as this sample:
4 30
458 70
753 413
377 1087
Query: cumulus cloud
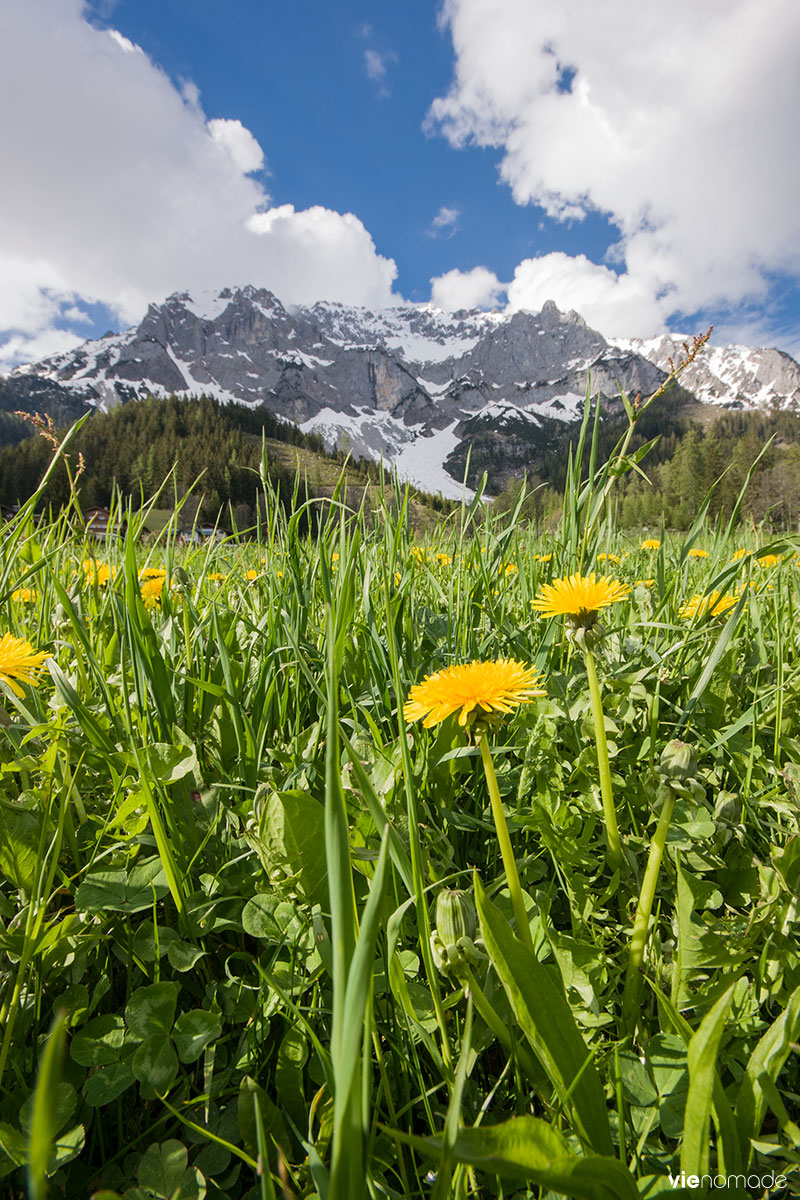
478 288
614 304
118 189
679 127
445 223
317 254
239 142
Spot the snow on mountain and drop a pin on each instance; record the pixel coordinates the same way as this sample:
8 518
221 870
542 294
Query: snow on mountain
733 376
406 383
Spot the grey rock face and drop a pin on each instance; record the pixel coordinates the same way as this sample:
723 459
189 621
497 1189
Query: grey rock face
407 383
732 376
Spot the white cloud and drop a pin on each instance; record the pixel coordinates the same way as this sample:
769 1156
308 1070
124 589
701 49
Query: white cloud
445 223
478 288
20 349
125 43
318 254
123 191
239 142
678 125
616 305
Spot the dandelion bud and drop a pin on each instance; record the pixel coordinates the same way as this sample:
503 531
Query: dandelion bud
452 940
455 916
678 762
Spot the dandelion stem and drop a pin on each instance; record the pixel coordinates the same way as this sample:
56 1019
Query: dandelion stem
641 922
509 862
604 768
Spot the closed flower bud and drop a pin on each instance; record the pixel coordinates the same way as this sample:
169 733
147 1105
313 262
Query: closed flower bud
678 762
454 951
455 916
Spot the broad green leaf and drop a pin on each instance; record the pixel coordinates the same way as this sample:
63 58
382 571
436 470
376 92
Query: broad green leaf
701 1059
291 842
528 1148
105 1084
116 891
767 1059
170 763
547 1022
155 1062
193 1031
183 956
162 1167
151 1010
258 916
20 831
99 1042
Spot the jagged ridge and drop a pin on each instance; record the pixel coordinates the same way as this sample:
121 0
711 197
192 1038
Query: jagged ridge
407 383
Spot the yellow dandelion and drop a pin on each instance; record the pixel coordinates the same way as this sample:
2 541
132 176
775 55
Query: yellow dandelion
645 582
696 553
714 605
579 597
25 595
475 688
612 558
215 576
20 663
737 554
444 560
509 569
650 544
769 560
97 573
152 590
153 573
542 558
251 575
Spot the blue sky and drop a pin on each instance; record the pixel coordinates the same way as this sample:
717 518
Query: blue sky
298 77
471 152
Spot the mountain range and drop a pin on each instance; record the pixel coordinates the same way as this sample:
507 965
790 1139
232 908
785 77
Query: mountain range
413 384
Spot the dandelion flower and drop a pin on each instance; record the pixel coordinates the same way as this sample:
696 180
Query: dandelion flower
152 590
645 582
251 575
542 558
737 554
153 573
19 663
612 558
97 573
25 594
579 597
651 544
697 553
769 560
476 687
714 604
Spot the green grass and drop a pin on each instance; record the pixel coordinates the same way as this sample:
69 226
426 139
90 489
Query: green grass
221 847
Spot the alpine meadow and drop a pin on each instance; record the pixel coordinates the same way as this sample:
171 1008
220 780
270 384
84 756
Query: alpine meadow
341 860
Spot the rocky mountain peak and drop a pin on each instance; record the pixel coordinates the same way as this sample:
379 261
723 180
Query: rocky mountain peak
407 383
